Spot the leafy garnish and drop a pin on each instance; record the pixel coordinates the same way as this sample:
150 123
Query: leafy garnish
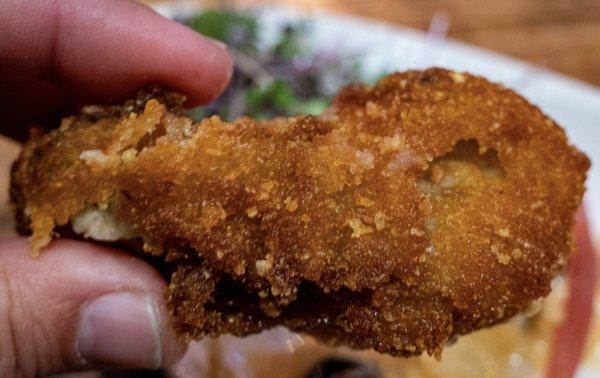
227 27
288 77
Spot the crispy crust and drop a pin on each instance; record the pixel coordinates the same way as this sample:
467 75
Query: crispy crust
430 205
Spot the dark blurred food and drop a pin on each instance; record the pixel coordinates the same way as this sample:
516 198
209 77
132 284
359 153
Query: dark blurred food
340 367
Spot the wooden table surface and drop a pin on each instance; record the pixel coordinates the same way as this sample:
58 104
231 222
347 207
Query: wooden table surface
563 35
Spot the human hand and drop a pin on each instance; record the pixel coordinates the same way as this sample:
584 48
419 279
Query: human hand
60 53
78 305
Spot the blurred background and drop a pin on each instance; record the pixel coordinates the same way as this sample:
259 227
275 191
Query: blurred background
563 35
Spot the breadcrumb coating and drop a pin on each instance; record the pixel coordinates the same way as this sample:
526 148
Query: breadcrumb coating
430 205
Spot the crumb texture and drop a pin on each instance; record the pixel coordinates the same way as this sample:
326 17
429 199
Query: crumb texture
427 206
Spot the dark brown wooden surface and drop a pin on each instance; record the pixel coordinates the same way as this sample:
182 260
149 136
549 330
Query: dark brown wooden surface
563 35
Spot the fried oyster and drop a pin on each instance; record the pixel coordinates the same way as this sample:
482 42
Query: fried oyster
430 205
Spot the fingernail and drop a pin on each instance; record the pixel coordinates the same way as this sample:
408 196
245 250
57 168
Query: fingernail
120 329
220 44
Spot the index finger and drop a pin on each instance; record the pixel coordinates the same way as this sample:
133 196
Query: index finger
107 49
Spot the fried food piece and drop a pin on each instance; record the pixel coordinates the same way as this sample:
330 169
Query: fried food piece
428 206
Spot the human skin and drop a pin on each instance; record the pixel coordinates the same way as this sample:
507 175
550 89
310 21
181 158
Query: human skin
68 310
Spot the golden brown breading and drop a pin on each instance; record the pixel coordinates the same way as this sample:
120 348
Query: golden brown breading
430 205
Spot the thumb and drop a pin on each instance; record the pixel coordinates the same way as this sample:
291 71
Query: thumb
79 306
